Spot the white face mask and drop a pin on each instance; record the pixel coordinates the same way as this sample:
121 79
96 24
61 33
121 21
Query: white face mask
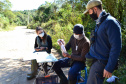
76 36
41 35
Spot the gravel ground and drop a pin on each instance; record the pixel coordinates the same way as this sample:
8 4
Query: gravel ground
14 45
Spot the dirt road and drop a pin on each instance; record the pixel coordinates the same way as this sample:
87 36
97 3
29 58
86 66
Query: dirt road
14 45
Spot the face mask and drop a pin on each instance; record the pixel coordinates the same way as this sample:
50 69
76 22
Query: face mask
94 16
41 35
78 37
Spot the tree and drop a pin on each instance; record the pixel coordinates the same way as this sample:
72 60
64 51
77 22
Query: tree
5 4
10 15
116 8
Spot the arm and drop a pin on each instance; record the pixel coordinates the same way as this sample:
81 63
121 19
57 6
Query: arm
36 45
114 37
84 51
68 45
49 40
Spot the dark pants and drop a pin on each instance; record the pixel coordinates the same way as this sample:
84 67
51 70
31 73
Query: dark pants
96 73
75 68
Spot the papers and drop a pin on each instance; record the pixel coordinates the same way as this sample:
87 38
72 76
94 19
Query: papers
40 57
49 58
63 49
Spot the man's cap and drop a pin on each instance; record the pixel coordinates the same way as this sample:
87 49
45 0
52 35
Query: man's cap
91 4
78 29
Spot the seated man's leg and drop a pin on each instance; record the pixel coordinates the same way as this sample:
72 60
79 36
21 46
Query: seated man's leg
73 72
62 63
96 73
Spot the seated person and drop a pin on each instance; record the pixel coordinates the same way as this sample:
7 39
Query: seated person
79 45
43 42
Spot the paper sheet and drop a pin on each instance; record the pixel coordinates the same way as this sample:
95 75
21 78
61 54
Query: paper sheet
41 57
63 49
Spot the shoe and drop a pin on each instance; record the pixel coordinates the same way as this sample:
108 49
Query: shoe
34 69
30 76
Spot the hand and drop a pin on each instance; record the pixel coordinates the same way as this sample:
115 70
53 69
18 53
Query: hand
37 49
42 48
61 42
46 48
107 74
66 55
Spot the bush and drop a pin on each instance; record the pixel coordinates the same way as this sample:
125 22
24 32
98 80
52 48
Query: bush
33 25
4 22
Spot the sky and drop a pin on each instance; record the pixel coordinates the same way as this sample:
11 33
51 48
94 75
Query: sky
27 4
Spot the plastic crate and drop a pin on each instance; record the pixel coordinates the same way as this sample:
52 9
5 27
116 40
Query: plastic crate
53 79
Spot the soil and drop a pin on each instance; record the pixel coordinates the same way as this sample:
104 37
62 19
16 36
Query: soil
14 45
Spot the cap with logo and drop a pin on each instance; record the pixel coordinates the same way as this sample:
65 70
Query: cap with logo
91 4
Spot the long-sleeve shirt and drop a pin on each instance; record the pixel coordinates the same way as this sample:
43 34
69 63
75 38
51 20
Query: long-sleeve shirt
49 42
107 45
83 48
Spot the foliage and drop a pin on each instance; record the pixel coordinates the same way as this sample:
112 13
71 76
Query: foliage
10 15
59 18
33 25
11 18
4 20
59 23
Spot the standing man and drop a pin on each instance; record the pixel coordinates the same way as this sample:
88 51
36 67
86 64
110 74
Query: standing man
79 45
106 43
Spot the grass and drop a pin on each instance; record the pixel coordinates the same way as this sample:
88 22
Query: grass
10 28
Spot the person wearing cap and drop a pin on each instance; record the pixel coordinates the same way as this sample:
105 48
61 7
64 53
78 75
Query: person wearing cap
106 43
79 45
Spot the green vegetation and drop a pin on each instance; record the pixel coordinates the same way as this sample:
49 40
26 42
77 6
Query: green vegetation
9 19
58 21
59 18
